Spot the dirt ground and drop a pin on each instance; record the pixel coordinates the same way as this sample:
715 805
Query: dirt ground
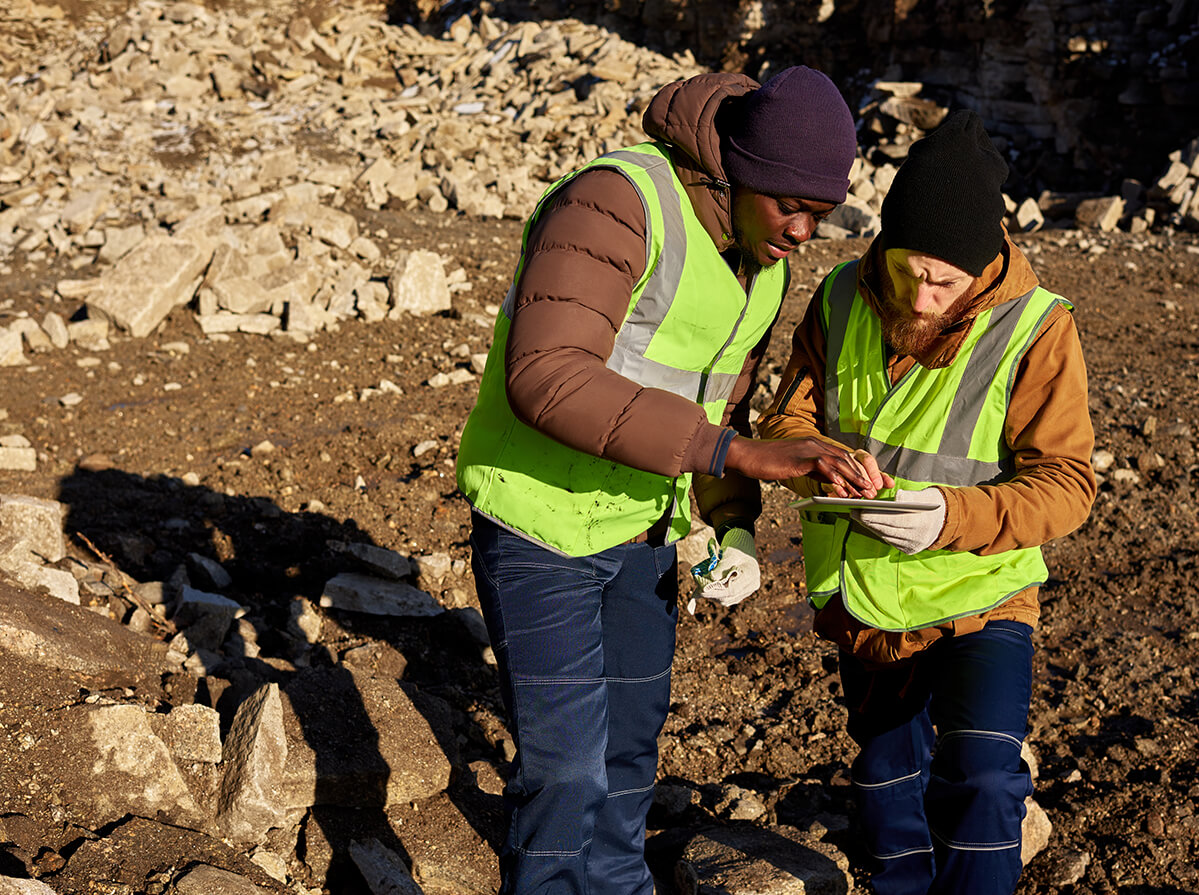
164 456
259 452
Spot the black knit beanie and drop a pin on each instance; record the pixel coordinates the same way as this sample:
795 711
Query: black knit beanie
793 136
946 199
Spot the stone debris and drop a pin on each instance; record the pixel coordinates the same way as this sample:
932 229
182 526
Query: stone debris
382 869
17 454
254 234
254 757
348 736
741 859
10 886
207 880
121 741
376 747
355 592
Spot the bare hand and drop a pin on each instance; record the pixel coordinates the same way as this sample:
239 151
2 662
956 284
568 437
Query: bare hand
786 458
870 465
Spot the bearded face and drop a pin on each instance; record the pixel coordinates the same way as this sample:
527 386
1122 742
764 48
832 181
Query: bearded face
922 296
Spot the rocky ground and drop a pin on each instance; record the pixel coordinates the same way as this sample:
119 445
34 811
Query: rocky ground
263 466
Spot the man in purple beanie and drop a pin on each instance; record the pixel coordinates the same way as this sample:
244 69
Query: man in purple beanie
619 377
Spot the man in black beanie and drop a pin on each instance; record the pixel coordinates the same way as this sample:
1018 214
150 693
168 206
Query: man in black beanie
959 382
619 377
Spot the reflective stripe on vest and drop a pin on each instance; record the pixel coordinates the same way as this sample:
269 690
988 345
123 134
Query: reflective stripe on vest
688 329
932 427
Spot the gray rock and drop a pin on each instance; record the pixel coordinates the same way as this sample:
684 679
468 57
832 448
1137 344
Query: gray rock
9 886
1099 214
191 732
158 276
36 523
55 582
752 860
1028 216
208 880
1034 831
92 650
208 571
131 769
254 757
332 226
418 285
12 348
376 596
119 241
358 741
382 870
1067 867
16 455
82 211
376 560
206 616
55 328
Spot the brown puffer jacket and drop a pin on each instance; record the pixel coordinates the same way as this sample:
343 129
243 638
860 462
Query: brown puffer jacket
1048 427
583 257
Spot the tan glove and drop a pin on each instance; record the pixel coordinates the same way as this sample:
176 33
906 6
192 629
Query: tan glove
732 572
908 532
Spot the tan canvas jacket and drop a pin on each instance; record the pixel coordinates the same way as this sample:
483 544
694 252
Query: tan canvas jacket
1048 427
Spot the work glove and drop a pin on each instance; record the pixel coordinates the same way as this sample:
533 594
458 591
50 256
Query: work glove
908 532
730 573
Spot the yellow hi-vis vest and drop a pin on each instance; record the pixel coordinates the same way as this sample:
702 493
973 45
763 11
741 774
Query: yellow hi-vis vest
688 329
932 427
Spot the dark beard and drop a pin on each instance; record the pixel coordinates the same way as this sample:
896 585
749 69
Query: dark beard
914 335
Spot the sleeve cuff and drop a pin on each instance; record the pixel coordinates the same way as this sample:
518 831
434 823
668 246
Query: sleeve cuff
722 451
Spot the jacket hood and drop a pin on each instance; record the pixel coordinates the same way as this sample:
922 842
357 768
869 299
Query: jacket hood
1007 277
683 115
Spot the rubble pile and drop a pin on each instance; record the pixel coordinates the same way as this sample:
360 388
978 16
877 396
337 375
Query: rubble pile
190 157
286 751
213 160
131 743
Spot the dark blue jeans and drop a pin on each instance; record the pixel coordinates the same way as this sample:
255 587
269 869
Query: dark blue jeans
939 781
584 647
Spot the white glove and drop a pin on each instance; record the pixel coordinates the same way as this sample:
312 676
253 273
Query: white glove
909 532
731 574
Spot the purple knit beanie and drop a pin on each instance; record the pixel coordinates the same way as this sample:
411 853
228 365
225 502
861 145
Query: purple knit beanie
793 136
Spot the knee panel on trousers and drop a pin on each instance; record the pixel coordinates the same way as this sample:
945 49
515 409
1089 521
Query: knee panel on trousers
977 789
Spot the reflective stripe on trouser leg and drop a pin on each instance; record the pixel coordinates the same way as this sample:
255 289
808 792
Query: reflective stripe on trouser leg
978 784
888 721
889 777
546 615
639 616
975 803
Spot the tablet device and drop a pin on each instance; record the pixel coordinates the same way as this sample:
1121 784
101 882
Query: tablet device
885 505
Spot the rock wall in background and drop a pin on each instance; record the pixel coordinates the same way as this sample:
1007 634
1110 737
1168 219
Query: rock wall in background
1086 91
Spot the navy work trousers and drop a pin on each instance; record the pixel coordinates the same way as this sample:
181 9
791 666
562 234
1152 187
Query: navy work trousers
939 780
584 648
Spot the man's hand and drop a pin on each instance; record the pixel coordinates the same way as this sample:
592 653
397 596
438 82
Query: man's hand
845 473
908 532
733 576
